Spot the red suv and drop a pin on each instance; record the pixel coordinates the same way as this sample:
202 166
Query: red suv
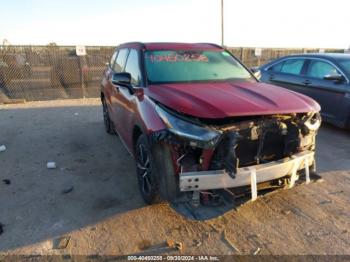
198 123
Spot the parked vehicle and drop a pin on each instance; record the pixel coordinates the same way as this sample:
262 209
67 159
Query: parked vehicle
323 77
198 122
70 70
13 66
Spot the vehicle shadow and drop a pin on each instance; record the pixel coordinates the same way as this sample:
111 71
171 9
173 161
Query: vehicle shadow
333 149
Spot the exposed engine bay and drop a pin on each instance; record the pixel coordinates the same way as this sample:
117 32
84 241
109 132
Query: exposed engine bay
242 142
261 140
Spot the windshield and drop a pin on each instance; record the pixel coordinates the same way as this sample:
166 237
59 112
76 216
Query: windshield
190 66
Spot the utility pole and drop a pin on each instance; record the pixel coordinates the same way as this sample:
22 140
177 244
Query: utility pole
222 22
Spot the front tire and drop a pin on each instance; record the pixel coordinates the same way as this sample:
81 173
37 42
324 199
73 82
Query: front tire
146 171
168 181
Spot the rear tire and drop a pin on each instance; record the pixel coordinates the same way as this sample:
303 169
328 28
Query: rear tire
106 119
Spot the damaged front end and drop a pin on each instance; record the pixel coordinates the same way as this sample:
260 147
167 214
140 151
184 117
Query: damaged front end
211 155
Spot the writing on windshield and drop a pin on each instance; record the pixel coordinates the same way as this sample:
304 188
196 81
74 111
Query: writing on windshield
173 58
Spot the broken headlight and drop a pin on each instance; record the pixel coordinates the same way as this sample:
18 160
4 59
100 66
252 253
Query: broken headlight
198 135
313 122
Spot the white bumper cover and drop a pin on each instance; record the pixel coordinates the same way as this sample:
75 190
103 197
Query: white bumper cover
219 179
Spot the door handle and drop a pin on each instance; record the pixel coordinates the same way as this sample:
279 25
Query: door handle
306 82
272 77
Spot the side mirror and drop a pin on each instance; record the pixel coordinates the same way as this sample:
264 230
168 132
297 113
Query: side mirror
334 77
123 79
256 72
254 69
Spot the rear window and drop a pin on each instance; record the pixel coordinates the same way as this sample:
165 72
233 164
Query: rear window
169 66
111 62
289 66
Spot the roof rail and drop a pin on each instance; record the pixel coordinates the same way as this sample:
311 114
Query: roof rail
131 43
215 45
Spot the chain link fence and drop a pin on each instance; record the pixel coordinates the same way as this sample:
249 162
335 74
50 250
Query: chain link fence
29 73
50 72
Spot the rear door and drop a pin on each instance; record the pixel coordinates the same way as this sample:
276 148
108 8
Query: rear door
107 74
115 90
331 95
288 73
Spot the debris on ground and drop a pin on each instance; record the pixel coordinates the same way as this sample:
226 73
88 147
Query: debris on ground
2 148
179 245
1 228
229 241
336 192
67 190
144 244
51 165
197 243
6 181
286 212
324 202
61 242
170 243
257 251
173 244
76 114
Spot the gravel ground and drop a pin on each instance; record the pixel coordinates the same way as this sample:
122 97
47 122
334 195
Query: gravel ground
90 204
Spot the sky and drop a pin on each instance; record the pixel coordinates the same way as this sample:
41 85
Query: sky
248 23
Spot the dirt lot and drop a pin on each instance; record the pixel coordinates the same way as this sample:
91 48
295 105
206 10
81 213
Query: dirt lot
104 214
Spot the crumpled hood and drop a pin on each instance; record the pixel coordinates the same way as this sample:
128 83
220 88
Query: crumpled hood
227 99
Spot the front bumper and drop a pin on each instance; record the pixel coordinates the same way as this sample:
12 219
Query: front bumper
219 179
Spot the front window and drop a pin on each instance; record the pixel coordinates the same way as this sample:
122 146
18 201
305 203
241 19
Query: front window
167 66
318 69
345 63
132 66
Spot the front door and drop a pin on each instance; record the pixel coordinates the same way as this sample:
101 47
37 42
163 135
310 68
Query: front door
126 100
330 94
